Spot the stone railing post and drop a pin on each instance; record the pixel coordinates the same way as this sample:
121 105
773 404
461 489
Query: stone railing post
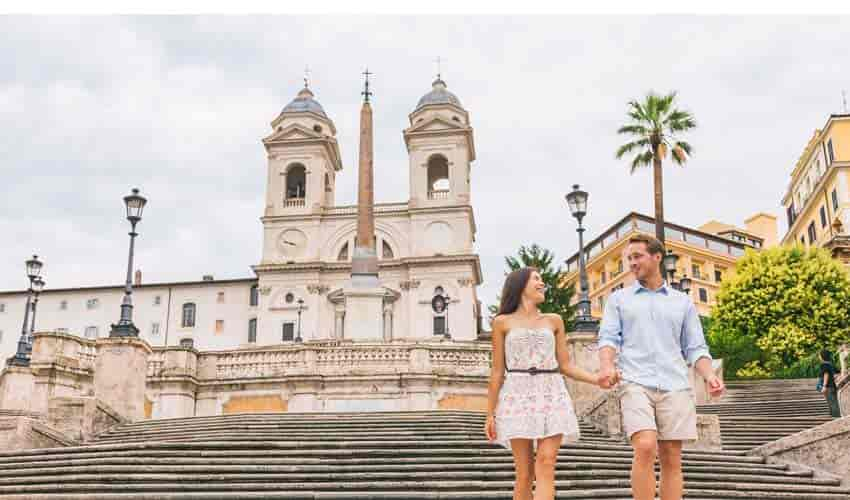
120 375
583 352
59 369
16 388
175 383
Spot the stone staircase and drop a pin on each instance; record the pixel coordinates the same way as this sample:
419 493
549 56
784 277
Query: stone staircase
753 413
393 455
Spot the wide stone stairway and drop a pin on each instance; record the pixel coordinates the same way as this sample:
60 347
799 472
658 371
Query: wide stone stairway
398 455
753 413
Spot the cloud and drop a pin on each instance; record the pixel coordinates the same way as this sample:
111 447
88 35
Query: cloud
93 106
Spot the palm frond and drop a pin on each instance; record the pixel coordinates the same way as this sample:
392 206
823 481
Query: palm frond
641 160
629 146
634 129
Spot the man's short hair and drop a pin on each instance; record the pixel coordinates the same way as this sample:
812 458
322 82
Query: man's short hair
653 246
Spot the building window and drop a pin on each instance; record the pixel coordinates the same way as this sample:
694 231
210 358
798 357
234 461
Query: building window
604 277
835 199
703 295
289 298
254 298
295 182
718 275
187 343
63 305
387 251
343 253
91 332
439 325
601 302
789 213
822 216
2 308
220 298
252 330
830 152
802 240
695 271
219 326
92 303
619 266
157 300
812 234
288 332
189 312
154 329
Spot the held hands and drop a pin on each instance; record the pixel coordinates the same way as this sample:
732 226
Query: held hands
607 378
715 386
490 428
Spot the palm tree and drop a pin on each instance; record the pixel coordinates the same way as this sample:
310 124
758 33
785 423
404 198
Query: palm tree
654 125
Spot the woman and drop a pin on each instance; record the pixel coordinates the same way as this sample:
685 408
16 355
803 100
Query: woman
827 378
530 405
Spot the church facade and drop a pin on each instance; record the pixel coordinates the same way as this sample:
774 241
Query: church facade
420 316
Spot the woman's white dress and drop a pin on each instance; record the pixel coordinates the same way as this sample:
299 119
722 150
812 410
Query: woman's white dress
538 405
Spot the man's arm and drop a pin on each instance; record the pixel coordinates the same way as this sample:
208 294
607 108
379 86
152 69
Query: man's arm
610 341
695 350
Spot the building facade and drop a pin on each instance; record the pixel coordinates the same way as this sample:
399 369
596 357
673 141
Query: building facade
707 255
299 302
817 201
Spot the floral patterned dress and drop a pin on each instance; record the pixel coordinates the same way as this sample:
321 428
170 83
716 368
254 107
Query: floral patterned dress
533 406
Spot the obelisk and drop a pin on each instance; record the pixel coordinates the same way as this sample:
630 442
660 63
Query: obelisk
364 296
364 262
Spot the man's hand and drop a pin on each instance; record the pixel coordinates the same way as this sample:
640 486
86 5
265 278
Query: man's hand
715 386
607 378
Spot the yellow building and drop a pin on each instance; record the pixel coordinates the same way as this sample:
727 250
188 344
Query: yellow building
707 255
817 201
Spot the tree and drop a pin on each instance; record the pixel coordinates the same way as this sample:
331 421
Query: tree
654 125
791 301
558 296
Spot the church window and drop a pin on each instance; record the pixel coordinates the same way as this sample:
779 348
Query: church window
252 330
219 326
154 329
387 251
288 334
438 177
296 180
254 297
187 343
343 252
157 300
91 332
92 303
439 291
220 298
327 183
189 311
455 118
317 129
290 298
439 325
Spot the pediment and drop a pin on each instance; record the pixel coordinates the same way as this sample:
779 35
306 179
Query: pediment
435 124
293 132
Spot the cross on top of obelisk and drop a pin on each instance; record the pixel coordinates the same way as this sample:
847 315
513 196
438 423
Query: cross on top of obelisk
367 92
306 77
439 68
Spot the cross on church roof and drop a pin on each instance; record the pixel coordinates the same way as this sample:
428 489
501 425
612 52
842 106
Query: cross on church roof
439 68
306 77
367 92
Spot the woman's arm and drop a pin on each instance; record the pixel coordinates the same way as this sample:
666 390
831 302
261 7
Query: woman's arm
497 370
568 368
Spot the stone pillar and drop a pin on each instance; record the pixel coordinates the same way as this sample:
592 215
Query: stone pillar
583 351
120 375
364 313
16 388
339 321
62 366
388 322
177 383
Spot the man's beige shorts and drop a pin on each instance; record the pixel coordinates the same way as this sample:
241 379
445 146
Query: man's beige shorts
672 414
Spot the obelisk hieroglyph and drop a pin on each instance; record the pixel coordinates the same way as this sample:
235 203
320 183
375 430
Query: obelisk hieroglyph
364 296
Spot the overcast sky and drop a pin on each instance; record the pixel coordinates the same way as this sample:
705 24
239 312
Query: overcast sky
90 107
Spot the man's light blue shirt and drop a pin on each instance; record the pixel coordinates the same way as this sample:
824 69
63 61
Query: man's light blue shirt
657 334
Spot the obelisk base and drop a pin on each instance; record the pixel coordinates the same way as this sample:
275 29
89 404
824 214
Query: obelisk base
364 313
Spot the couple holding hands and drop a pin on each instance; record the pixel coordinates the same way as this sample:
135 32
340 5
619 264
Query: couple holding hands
650 330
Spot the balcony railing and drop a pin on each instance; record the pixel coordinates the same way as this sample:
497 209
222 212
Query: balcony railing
438 194
294 202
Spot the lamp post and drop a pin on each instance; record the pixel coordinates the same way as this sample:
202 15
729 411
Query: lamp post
37 287
21 357
134 204
668 265
300 308
577 201
685 284
448 300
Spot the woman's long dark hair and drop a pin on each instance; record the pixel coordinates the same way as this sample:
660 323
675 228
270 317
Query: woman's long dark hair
512 290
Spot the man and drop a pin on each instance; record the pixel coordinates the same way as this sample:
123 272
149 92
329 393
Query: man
658 333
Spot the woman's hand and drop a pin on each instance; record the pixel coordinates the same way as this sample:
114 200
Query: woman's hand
490 428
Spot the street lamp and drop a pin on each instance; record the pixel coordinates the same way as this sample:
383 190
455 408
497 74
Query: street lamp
577 201
448 301
668 264
685 284
300 308
21 357
135 204
37 287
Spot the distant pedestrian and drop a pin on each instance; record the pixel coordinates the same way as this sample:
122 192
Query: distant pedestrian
827 382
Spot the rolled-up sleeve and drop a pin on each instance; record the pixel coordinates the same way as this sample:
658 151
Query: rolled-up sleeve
693 339
611 329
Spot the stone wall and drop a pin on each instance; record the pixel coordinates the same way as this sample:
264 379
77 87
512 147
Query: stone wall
844 395
24 433
823 448
81 418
